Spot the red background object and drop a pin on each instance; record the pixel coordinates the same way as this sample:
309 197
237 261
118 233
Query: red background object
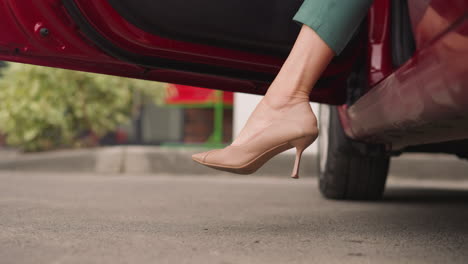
190 95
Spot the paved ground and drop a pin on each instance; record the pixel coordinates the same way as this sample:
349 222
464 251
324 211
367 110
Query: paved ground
78 218
133 160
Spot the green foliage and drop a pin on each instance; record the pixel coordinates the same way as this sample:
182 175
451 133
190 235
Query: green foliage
44 108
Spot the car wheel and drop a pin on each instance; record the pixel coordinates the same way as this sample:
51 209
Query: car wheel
348 169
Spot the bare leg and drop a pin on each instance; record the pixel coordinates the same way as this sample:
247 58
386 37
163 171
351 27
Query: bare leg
301 70
293 84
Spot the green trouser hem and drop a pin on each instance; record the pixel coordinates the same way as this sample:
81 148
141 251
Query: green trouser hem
335 21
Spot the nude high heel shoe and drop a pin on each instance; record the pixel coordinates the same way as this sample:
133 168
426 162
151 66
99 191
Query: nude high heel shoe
296 129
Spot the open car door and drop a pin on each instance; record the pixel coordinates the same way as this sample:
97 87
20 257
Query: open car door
228 45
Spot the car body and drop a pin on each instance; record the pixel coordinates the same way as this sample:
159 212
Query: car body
401 83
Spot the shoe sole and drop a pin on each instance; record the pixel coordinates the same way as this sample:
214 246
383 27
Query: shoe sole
253 165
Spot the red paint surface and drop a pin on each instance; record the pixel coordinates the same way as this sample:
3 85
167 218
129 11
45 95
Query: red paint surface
183 94
379 50
425 26
425 101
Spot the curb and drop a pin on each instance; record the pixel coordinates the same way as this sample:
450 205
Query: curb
138 160
55 161
429 166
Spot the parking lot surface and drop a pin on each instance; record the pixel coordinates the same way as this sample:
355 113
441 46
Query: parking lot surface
89 218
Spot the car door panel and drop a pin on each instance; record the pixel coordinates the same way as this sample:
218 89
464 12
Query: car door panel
93 36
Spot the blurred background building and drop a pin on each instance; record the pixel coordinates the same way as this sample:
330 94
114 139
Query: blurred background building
189 115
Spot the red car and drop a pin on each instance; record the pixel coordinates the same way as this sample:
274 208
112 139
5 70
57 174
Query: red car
400 85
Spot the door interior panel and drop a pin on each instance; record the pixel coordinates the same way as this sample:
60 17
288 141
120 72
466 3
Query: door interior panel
152 62
264 26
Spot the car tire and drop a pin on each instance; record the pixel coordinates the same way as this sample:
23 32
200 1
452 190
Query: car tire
349 170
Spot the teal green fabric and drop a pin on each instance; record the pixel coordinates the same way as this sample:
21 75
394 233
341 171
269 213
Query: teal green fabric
335 21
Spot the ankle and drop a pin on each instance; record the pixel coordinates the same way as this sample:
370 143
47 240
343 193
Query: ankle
282 101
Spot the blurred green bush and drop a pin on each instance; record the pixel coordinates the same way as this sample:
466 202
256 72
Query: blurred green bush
46 108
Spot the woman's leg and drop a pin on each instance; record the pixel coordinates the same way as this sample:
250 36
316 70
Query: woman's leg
301 70
293 84
328 25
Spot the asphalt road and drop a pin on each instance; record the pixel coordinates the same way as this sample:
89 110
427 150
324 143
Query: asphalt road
77 218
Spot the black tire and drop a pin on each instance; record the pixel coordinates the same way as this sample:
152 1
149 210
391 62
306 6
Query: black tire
349 170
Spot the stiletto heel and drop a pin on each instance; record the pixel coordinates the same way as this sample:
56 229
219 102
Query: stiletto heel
300 144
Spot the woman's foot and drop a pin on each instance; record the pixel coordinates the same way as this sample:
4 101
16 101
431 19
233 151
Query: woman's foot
272 128
266 112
